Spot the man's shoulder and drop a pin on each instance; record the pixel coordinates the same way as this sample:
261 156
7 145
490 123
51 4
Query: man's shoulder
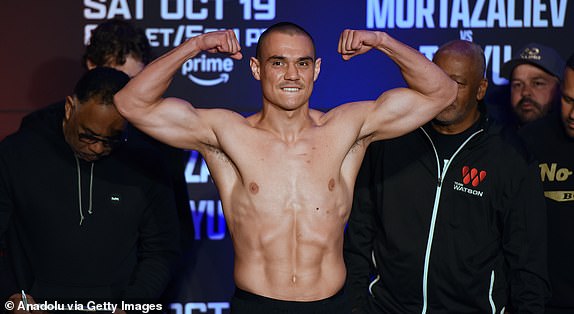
501 153
37 127
41 117
22 151
540 130
503 139
20 141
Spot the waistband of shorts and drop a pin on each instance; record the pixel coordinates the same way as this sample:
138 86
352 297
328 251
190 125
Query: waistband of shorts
249 296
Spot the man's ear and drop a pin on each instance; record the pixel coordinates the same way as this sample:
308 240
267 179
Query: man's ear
482 89
70 106
89 64
255 68
317 69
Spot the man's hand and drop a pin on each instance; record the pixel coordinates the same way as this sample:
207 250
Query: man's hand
222 42
16 298
355 42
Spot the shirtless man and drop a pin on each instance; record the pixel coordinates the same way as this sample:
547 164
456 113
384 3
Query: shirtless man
285 175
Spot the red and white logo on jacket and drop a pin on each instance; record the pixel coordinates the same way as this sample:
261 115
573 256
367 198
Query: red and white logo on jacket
471 179
472 176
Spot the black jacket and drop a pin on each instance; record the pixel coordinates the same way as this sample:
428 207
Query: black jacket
554 151
123 250
465 239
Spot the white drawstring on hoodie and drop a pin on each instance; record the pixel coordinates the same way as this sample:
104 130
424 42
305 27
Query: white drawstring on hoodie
80 189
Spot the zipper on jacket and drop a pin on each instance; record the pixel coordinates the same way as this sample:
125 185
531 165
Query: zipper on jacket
490 300
441 176
378 275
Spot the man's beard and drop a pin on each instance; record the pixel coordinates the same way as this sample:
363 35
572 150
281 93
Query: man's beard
535 112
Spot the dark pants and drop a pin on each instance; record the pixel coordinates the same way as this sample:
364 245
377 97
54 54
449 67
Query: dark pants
244 302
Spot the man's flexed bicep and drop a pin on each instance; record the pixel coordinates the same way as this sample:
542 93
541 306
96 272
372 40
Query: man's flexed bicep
401 110
397 112
171 120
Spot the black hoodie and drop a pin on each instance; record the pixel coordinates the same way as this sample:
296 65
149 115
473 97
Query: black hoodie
123 249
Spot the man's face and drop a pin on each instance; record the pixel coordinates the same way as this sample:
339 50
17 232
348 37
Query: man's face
92 130
532 92
464 70
568 102
131 67
287 70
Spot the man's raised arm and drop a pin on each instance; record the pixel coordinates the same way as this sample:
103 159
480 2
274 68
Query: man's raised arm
400 110
172 120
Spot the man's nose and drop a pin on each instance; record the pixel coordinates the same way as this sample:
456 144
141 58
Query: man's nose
526 89
98 148
292 73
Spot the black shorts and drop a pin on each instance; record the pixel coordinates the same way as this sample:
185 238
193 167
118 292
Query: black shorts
244 302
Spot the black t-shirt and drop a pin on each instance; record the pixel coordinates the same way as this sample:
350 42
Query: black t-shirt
447 144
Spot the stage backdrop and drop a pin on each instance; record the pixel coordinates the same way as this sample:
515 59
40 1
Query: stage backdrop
42 43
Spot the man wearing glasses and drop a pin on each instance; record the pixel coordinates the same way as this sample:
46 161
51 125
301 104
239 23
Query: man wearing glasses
87 215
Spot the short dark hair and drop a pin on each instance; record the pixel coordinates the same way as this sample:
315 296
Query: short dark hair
570 62
285 28
113 41
100 83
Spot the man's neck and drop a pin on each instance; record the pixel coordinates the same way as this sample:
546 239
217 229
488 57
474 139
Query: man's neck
285 124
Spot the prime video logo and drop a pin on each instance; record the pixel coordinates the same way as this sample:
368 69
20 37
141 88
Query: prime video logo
217 69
